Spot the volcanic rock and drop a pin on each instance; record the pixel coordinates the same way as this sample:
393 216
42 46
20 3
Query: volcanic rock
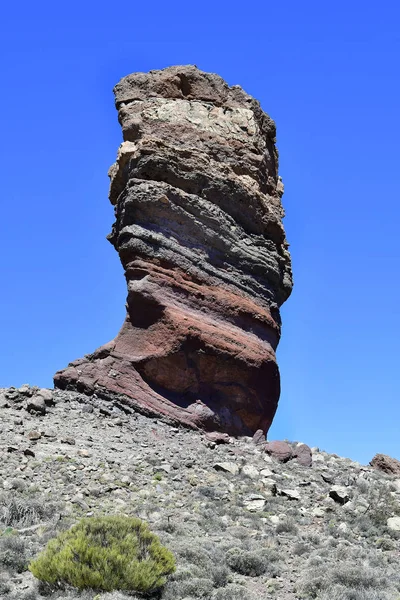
303 454
199 232
386 463
281 451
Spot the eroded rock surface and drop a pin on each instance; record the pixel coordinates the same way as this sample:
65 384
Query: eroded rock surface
199 233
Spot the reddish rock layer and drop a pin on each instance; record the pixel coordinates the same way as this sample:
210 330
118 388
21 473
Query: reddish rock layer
199 233
386 463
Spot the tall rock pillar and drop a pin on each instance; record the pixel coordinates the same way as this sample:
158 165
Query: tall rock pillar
199 232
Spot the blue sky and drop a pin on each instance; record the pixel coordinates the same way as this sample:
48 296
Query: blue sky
328 73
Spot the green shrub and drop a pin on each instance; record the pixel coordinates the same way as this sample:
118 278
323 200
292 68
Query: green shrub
106 553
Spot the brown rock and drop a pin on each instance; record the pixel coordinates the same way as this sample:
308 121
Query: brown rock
199 233
34 435
281 451
302 453
385 463
259 437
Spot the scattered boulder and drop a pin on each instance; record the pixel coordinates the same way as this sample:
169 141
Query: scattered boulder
47 396
386 463
291 494
254 503
302 453
227 467
339 494
36 404
250 471
281 451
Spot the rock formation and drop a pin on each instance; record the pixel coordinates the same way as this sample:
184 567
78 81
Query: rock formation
386 463
199 232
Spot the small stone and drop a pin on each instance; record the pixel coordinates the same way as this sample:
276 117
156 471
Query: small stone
274 519
266 473
165 468
29 452
34 435
227 467
12 449
68 440
78 499
84 453
49 433
270 486
343 527
291 494
318 511
250 471
254 503
339 494
393 523
87 408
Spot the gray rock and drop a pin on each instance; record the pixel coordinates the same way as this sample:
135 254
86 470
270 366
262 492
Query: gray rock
339 494
227 467
291 494
250 471
393 523
34 435
254 503
47 396
36 404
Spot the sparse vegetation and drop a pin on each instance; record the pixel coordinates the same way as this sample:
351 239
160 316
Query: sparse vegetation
311 547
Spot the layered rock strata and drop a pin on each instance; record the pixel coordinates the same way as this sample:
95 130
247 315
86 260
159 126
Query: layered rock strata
199 232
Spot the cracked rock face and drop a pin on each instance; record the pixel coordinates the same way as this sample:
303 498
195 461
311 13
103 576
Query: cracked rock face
199 233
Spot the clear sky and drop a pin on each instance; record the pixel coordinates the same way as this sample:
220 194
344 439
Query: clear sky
328 73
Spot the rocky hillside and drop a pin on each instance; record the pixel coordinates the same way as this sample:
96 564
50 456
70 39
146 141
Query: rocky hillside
242 524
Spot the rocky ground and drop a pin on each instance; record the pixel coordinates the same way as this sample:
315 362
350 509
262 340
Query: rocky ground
241 524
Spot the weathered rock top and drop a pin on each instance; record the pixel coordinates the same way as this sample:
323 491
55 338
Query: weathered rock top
199 233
